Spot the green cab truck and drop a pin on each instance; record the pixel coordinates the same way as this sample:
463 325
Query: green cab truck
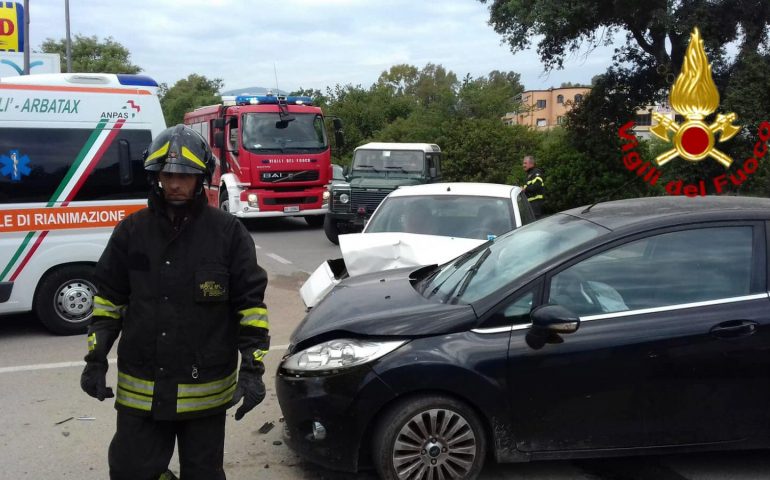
377 170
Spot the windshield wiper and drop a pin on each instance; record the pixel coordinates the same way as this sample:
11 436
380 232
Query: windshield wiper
366 166
458 262
468 276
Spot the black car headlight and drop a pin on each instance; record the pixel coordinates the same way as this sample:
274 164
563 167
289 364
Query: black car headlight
335 355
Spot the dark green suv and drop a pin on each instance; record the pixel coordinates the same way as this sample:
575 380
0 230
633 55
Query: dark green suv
377 170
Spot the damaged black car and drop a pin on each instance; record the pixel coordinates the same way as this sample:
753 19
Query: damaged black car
621 328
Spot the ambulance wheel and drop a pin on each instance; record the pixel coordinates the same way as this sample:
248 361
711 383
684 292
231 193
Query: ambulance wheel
315 221
65 298
331 230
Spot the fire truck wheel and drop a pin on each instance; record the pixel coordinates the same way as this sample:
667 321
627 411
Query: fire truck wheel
331 230
224 202
315 221
64 299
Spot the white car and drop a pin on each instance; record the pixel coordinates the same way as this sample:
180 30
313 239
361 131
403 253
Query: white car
422 225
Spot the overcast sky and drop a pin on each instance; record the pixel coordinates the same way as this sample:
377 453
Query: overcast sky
312 43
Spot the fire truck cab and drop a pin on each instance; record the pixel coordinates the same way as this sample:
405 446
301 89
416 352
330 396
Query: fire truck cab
273 156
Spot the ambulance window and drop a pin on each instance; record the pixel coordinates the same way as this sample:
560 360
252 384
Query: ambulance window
42 158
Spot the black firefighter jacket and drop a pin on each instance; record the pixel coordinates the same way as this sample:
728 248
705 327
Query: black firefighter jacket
185 299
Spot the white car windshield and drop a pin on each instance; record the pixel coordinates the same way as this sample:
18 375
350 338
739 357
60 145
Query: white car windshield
463 216
493 265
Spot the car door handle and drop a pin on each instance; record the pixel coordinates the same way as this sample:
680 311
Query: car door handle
734 329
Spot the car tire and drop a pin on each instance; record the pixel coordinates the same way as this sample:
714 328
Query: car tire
64 299
315 221
331 230
452 440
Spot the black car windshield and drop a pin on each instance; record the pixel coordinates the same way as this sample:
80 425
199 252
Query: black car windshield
495 264
464 216
266 131
403 161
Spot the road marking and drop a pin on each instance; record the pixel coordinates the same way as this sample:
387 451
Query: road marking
48 366
278 258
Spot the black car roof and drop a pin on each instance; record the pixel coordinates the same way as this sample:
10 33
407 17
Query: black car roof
670 210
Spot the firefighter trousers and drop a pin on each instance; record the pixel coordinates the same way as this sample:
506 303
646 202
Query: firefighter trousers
142 447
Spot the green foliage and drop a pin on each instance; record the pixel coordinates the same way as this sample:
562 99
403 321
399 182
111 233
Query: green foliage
90 55
188 94
486 150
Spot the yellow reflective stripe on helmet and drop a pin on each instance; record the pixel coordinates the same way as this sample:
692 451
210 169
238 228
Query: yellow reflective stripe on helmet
189 155
204 403
135 384
92 342
185 390
157 153
133 400
259 354
536 197
254 317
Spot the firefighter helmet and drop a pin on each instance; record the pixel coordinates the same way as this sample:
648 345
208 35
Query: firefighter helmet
180 149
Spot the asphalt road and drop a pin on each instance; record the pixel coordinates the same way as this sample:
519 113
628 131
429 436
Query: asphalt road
49 429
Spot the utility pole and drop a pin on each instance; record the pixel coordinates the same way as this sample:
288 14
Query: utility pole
69 42
26 37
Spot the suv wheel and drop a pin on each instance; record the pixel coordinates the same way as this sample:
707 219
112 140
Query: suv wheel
331 230
429 437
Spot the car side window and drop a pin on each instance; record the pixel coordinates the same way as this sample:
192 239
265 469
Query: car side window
514 311
517 312
666 269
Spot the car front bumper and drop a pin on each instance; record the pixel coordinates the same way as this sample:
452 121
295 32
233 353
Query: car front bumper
343 405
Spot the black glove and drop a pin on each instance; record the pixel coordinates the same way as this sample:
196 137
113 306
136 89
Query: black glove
93 381
251 389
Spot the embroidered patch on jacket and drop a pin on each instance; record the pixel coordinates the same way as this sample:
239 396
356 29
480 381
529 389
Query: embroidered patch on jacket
211 289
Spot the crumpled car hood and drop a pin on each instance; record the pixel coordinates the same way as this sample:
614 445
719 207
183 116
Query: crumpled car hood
375 252
382 304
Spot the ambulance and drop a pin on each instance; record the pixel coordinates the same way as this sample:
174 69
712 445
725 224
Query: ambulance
71 167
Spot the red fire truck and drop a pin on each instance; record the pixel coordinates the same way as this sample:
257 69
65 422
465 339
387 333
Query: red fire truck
273 156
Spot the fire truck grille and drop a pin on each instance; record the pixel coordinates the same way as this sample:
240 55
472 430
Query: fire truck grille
287 177
290 200
363 197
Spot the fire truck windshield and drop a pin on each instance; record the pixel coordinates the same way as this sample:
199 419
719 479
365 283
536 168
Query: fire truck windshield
266 133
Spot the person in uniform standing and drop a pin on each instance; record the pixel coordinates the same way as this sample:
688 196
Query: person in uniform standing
535 186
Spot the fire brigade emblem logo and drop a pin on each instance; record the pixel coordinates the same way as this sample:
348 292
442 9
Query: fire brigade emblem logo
695 96
14 165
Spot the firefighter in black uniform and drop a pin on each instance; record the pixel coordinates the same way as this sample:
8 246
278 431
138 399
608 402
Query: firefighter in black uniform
179 281
535 187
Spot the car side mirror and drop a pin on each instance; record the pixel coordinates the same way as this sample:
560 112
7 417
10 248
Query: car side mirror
218 123
548 322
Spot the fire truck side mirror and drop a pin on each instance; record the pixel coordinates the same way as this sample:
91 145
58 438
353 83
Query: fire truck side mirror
218 123
219 139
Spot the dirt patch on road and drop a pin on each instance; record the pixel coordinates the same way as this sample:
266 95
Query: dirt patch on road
288 282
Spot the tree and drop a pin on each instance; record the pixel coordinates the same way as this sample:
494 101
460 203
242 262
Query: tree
188 94
90 55
490 97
